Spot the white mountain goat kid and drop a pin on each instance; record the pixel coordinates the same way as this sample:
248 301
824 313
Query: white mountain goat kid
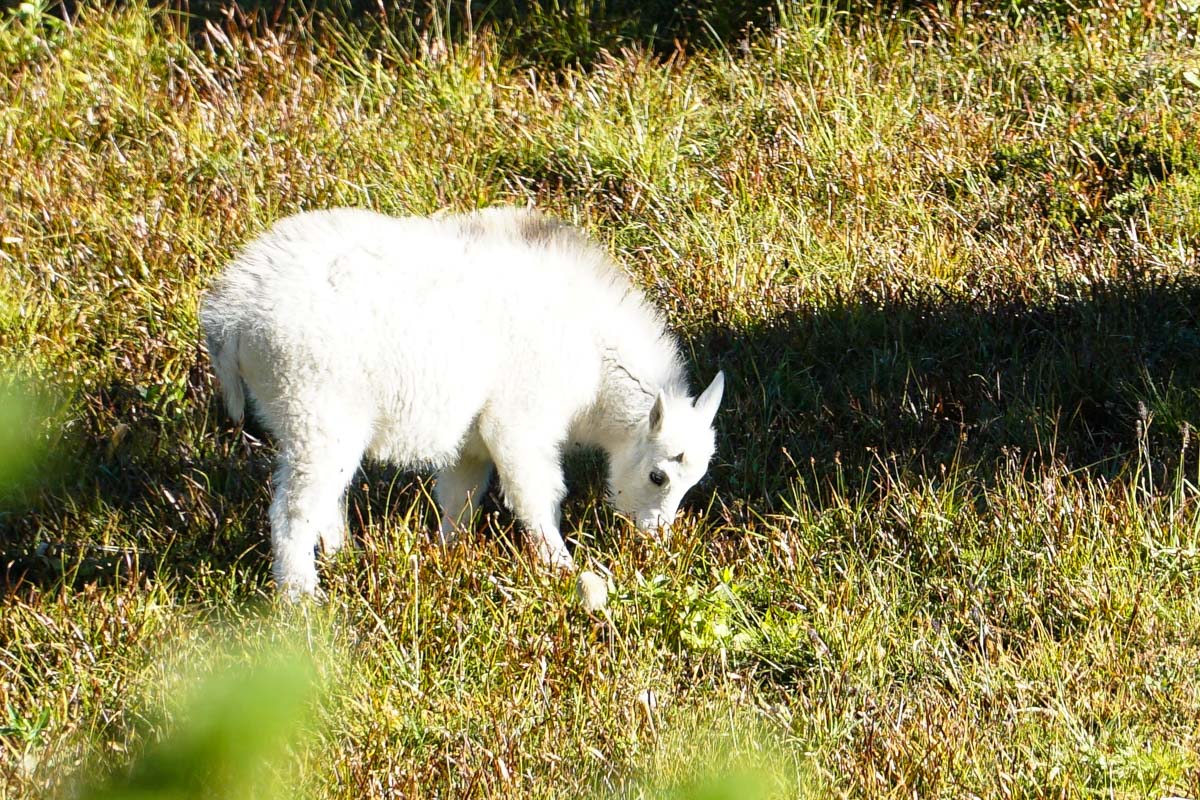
458 344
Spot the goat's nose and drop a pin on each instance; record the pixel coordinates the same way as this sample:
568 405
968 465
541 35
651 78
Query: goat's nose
656 522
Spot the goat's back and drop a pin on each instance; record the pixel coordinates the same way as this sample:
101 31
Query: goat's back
416 324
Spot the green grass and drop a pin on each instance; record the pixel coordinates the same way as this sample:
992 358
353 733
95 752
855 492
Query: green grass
949 544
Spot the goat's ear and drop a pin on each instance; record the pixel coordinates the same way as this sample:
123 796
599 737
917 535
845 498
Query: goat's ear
657 411
710 399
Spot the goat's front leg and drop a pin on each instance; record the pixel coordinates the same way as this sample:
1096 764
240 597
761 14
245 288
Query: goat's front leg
538 508
549 546
533 485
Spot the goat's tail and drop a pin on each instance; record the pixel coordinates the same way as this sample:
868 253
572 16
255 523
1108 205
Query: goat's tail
223 350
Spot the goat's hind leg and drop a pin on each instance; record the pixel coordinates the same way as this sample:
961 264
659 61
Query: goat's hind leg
460 488
308 507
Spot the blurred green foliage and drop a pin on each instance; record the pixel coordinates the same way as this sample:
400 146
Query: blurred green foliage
21 443
230 738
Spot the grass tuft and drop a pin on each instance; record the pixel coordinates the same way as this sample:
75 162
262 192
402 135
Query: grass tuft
945 254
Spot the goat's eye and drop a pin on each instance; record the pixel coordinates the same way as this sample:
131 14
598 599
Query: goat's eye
658 477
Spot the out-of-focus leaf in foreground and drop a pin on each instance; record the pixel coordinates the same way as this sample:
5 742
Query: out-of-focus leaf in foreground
21 421
230 737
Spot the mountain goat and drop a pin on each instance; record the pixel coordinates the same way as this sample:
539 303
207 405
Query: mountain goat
457 343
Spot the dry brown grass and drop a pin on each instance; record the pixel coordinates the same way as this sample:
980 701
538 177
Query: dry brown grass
949 544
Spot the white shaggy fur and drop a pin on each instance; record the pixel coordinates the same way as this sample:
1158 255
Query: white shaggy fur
457 344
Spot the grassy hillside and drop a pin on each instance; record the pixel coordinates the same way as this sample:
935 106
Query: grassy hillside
948 547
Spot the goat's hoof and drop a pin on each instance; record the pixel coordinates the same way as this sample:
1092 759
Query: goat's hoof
301 588
592 590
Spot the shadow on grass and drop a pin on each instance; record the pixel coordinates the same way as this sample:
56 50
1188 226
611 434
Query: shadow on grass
135 494
828 395
549 33
133 486
823 397
557 33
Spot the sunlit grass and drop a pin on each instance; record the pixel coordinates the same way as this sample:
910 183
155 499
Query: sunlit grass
948 546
